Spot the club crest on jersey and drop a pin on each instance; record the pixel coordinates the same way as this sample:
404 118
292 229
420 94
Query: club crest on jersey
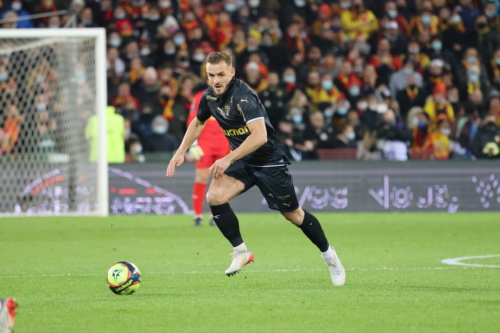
227 108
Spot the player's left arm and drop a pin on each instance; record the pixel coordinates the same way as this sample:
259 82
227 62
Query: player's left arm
257 138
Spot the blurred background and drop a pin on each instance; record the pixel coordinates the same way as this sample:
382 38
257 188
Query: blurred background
346 80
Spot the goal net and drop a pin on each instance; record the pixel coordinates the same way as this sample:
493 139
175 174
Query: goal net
52 84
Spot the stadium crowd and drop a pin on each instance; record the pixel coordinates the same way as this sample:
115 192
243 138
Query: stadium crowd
389 80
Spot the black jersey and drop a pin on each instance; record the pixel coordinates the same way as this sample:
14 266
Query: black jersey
238 107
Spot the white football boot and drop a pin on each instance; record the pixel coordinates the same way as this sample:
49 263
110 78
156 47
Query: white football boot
240 259
337 271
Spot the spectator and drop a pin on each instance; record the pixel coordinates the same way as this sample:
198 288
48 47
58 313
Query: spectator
160 140
419 60
274 99
439 105
426 21
115 136
486 142
124 97
9 132
146 90
491 13
137 70
391 14
399 80
371 115
468 13
345 139
359 20
17 7
485 40
384 61
437 143
494 109
320 133
411 96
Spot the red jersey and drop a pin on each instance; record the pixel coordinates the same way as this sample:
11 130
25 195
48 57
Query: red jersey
211 138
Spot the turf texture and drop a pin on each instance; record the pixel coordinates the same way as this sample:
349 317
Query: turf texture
56 267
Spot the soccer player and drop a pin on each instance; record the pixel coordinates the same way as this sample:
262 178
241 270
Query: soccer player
210 147
257 158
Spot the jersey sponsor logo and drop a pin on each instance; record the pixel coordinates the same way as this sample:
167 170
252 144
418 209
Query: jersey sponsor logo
235 131
284 197
211 98
241 111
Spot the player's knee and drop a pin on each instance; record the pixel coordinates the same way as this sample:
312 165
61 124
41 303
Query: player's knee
296 217
215 198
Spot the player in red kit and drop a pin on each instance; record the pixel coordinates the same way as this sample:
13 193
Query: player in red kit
211 146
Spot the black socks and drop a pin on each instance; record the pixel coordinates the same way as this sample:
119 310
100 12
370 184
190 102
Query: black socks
228 224
312 229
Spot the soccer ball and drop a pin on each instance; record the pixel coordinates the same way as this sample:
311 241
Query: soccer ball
124 278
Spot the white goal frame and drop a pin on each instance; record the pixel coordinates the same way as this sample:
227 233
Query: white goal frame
99 34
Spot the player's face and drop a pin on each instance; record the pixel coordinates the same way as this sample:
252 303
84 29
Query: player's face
219 76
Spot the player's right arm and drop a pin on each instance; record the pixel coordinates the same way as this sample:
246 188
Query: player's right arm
192 133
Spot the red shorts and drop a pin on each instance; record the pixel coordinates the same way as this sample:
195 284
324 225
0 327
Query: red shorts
210 157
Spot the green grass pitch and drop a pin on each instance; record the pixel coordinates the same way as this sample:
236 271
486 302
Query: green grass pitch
56 267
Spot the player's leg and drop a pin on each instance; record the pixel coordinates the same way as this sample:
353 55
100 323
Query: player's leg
222 190
311 227
276 184
200 184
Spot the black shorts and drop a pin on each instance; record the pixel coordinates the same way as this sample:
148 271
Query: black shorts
275 184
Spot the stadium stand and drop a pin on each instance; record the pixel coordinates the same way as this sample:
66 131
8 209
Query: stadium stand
406 79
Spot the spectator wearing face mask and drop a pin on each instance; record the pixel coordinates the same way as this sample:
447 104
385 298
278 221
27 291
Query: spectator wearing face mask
160 140
17 8
454 34
358 20
437 144
425 21
491 12
419 59
339 118
115 131
438 105
121 22
289 80
437 51
400 80
134 150
391 14
483 39
486 142
345 139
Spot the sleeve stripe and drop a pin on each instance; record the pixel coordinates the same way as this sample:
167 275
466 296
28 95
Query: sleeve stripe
254 119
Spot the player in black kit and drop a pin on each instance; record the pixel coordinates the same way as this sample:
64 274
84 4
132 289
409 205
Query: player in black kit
256 158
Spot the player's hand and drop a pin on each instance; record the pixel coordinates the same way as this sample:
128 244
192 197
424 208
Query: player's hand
176 161
218 168
195 153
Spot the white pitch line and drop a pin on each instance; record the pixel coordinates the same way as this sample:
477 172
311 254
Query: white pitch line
261 271
456 261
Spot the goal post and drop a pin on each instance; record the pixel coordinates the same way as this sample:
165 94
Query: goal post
52 83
